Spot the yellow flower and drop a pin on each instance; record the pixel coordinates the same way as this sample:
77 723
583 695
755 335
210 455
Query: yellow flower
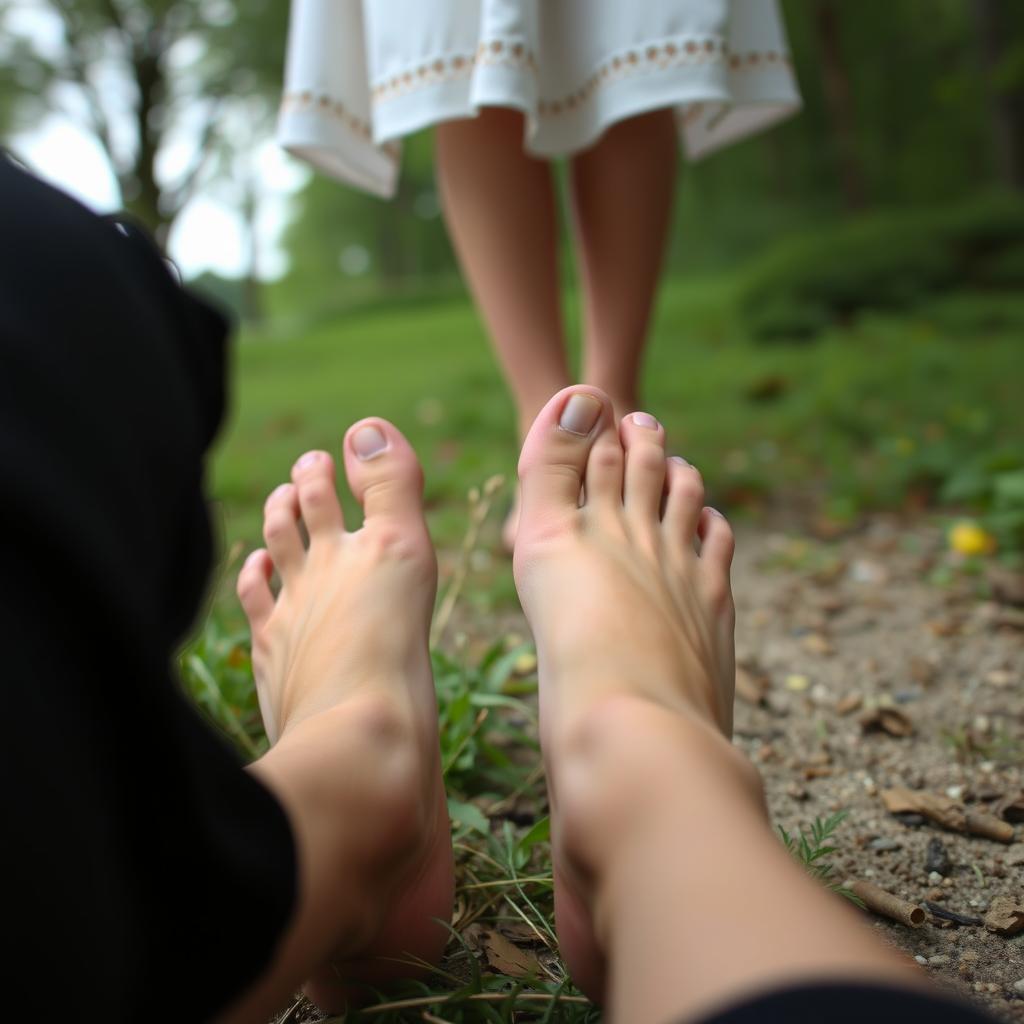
969 538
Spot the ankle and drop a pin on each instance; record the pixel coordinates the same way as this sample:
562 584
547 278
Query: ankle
364 760
626 764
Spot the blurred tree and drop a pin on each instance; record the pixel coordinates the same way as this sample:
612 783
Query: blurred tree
1001 55
157 83
838 91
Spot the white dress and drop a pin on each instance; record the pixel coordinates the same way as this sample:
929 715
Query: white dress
361 74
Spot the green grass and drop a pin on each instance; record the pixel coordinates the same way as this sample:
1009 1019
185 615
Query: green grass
885 412
878 413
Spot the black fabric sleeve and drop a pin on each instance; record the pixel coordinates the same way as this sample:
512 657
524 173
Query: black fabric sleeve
149 876
838 1003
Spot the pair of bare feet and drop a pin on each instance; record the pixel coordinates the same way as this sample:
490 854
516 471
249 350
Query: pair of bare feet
624 577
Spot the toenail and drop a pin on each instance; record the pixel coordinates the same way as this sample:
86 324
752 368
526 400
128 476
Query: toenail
368 442
580 414
715 512
679 459
307 460
645 419
278 492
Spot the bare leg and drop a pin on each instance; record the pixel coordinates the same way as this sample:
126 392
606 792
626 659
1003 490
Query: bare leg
344 681
622 192
499 205
673 896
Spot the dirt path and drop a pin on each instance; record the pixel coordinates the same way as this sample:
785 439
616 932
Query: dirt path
885 626
863 621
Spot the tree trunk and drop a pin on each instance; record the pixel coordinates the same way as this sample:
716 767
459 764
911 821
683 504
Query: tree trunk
252 289
1005 106
839 103
144 198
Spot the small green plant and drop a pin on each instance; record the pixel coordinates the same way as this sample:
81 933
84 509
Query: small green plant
811 846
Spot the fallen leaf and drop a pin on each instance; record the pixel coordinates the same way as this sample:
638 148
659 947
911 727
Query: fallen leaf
1005 916
946 812
506 957
886 719
1010 807
751 687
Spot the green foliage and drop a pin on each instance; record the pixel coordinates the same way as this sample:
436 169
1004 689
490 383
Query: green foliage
811 847
891 261
483 721
216 670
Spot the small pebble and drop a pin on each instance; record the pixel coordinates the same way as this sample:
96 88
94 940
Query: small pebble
921 960
1018 987
937 858
954 792
885 843
934 878
938 960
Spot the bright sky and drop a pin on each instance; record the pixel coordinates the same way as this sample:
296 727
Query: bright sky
207 235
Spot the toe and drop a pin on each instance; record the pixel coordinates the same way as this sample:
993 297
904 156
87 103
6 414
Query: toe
644 482
281 529
313 475
383 471
716 550
253 588
554 458
684 500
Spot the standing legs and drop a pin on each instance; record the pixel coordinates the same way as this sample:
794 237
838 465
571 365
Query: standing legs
622 192
500 208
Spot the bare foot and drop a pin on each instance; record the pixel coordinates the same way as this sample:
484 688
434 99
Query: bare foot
511 525
619 598
341 656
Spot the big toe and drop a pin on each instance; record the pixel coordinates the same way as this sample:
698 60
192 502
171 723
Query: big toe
383 472
553 462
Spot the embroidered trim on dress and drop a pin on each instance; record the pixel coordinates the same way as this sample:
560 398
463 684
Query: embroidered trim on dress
323 103
516 55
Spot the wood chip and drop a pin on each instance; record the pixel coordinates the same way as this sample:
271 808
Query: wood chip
752 687
882 902
947 813
850 703
1005 916
886 719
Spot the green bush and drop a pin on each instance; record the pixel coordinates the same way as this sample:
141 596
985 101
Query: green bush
886 261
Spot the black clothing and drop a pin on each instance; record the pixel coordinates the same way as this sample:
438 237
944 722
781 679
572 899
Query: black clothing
838 1003
146 875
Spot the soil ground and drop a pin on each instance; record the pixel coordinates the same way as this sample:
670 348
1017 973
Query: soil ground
833 633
